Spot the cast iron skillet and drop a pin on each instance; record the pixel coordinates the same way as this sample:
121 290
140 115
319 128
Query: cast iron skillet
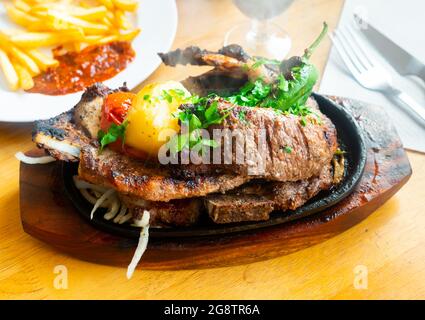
350 139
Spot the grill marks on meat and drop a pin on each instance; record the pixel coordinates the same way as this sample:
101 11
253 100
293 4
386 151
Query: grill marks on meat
265 155
59 137
177 195
137 178
310 152
256 200
63 136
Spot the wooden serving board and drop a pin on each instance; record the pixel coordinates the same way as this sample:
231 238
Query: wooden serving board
48 214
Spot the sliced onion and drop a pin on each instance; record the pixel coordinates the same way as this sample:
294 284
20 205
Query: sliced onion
33 160
81 184
103 198
121 214
142 244
112 212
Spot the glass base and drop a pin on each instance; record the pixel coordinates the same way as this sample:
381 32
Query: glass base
263 39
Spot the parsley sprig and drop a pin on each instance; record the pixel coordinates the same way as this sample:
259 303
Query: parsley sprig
277 95
199 114
114 133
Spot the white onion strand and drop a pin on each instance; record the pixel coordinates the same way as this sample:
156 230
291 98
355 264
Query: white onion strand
33 160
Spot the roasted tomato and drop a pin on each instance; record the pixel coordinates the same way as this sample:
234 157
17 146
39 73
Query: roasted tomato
115 109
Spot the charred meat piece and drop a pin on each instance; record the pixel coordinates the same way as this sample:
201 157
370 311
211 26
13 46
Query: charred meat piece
230 58
256 200
63 136
185 212
215 81
60 137
269 145
155 183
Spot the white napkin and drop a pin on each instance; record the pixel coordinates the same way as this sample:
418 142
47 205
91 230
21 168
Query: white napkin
404 23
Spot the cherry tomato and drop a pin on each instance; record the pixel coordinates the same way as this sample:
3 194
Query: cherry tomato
115 108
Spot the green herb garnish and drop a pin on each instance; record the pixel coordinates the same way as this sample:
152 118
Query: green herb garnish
262 61
340 152
114 133
287 149
195 117
167 96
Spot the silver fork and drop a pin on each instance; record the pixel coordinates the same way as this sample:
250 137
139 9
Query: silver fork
367 71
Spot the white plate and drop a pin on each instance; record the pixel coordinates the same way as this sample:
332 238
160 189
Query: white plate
158 21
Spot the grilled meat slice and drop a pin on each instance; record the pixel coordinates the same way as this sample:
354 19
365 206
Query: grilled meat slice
269 145
255 201
232 59
184 212
148 181
60 137
215 81
63 136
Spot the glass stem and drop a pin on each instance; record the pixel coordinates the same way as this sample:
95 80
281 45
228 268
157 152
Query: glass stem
259 30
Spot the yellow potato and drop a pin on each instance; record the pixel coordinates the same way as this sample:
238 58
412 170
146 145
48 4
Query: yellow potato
25 80
25 60
9 71
152 114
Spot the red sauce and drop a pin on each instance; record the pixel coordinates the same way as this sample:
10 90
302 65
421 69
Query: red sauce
78 70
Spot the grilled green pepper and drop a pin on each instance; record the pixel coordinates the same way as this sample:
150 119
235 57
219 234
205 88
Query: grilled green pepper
300 77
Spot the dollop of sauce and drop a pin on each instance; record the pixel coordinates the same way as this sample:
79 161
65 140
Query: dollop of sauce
78 70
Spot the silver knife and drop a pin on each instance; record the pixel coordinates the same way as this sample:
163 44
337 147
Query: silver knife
402 61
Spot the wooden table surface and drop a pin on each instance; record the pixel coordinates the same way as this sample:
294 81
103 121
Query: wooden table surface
388 247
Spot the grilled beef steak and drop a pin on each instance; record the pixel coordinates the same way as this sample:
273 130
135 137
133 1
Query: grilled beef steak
262 141
185 212
178 194
256 200
141 179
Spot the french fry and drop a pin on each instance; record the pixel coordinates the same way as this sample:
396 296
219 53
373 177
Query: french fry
45 39
68 25
107 3
122 21
9 71
126 5
25 60
21 5
108 39
90 14
25 79
24 19
43 61
61 21
129 36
